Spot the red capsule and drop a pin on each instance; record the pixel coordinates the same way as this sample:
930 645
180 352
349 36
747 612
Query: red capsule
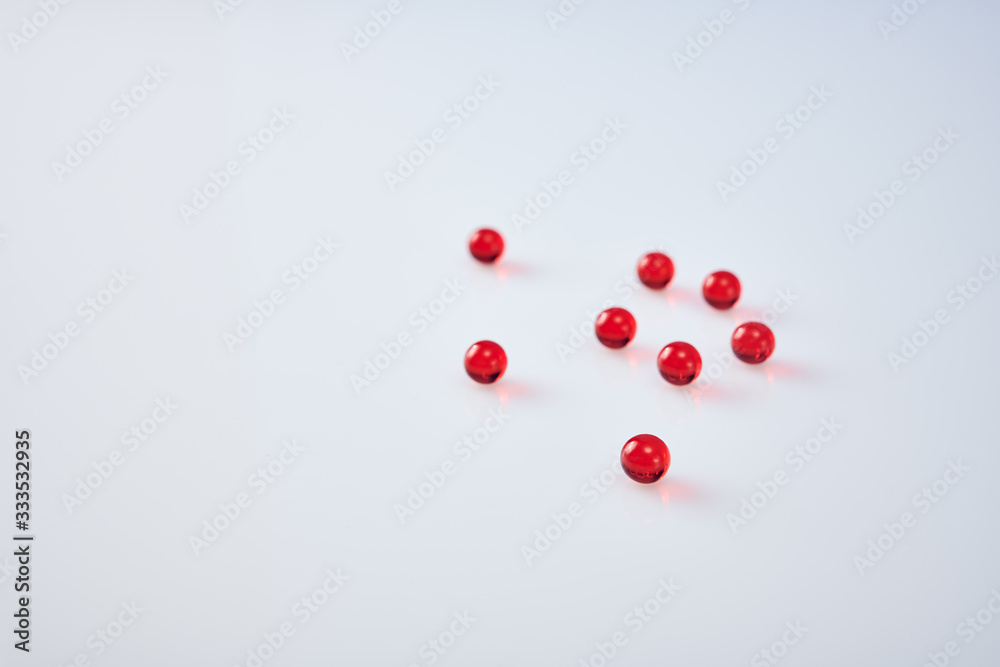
615 327
486 245
679 363
645 458
721 290
485 362
753 342
655 270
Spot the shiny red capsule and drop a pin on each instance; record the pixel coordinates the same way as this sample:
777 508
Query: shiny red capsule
721 290
485 362
655 270
679 363
645 458
486 245
615 327
753 342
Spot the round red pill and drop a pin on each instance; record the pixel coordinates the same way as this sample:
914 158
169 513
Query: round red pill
615 327
485 362
753 342
655 270
645 458
486 245
721 290
679 363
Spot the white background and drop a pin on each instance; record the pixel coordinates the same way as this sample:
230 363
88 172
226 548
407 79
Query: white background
655 187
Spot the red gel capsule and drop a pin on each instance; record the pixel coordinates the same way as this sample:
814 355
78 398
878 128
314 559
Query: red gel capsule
655 270
679 363
645 458
615 327
721 290
485 362
753 342
486 245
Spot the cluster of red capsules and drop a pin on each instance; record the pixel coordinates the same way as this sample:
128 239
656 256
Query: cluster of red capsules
644 458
